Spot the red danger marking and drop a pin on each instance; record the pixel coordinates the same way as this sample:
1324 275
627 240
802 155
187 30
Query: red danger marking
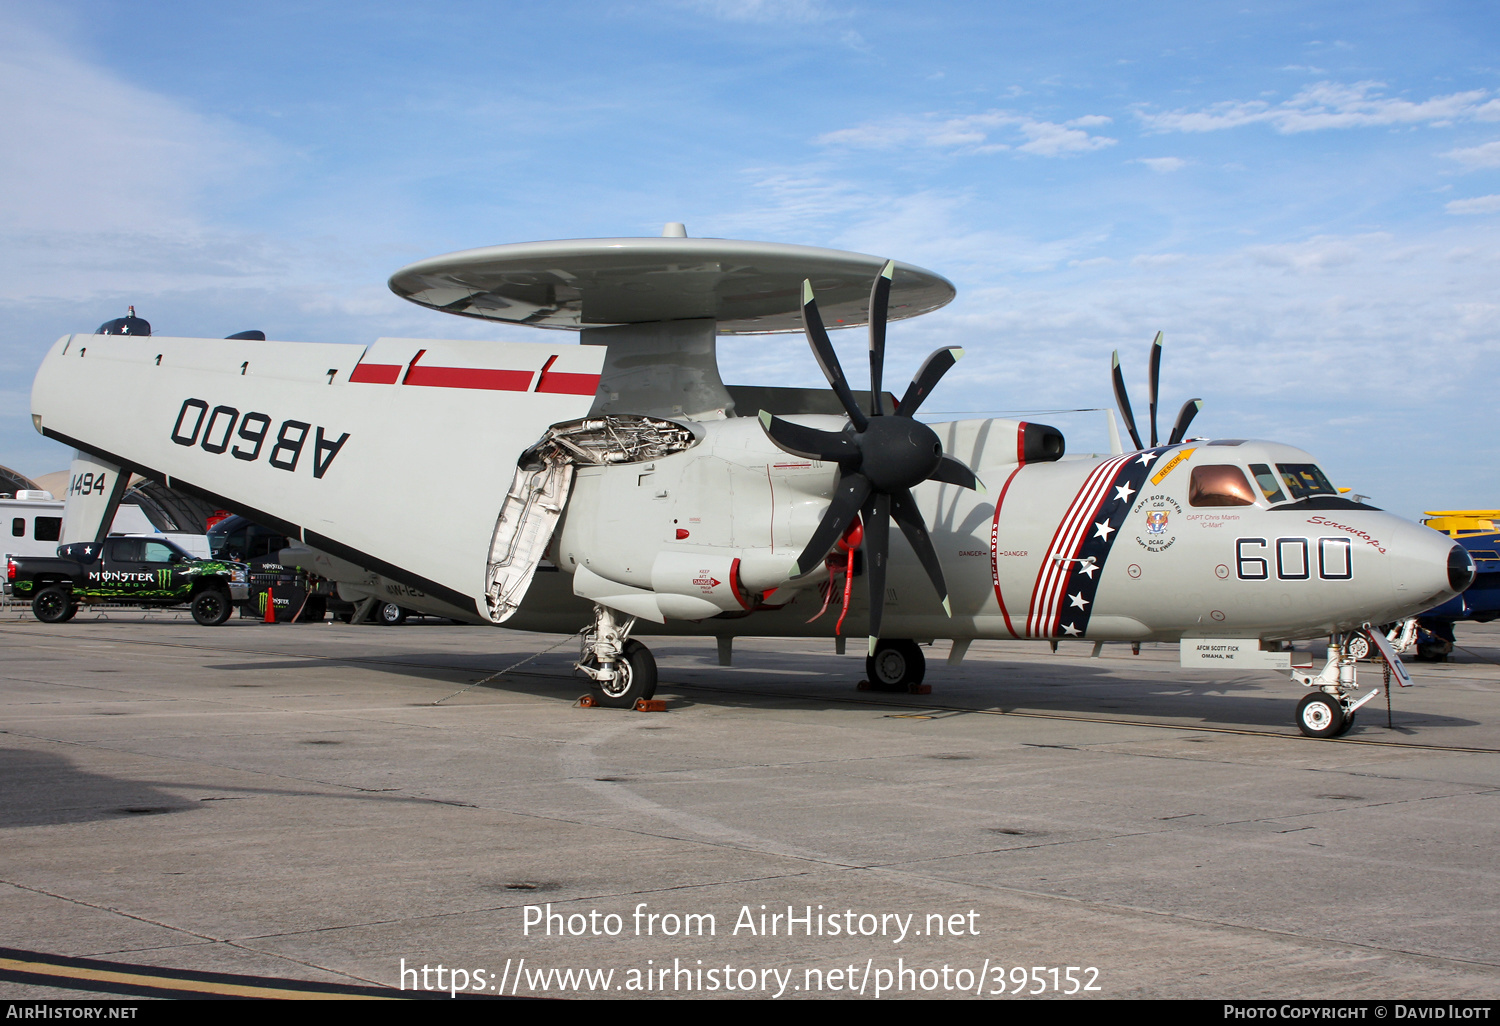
560 383
484 378
376 373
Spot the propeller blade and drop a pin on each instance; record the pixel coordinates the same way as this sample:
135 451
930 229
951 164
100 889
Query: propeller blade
1155 380
909 519
848 496
1184 418
822 348
877 521
1123 401
933 368
809 443
951 471
880 296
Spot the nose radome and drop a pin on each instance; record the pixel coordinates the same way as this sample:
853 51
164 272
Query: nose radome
1427 568
1461 570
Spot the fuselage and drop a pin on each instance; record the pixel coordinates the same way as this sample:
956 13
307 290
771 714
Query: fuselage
1227 538
1209 538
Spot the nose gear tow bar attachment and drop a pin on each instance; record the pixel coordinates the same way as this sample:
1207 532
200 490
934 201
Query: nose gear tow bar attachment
1329 711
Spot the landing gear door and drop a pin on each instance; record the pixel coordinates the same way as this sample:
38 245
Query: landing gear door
1392 660
523 531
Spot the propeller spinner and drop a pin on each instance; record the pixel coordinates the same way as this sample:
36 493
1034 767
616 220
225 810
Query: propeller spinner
880 456
1122 399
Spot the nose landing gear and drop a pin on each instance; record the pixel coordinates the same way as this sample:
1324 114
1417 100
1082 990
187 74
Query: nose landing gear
1329 711
621 670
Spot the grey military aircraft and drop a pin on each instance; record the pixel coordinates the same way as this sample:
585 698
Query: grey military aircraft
619 488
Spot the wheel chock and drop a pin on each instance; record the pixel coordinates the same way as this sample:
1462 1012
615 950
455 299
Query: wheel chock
910 689
641 704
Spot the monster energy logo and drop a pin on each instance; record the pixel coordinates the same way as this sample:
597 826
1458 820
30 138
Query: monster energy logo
163 578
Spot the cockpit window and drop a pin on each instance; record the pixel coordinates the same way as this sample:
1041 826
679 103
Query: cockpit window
1305 479
1269 486
1219 485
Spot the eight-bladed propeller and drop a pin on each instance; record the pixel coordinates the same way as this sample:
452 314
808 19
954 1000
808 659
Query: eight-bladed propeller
880 457
1184 416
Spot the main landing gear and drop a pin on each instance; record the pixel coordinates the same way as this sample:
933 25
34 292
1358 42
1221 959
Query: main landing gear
1329 711
897 665
621 670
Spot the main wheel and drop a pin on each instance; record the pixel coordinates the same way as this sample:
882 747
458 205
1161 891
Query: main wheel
1434 651
390 614
635 678
896 665
1348 723
53 604
1320 715
1360 647
211 607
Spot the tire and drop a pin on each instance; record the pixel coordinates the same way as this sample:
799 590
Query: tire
1434 651
390 615
1348 724
211 607
1320 715
1360 647
896 665
635 678
53 604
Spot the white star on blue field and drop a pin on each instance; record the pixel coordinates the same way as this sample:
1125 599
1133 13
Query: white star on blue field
1303 197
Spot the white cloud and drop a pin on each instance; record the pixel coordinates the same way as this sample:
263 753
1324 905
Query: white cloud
1319 253
1050 140
803 11
1163 165
85 151
1486 155
973 133
1329 105
1156 259
1477 205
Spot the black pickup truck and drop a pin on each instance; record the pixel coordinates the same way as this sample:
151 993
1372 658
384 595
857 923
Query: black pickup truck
136 571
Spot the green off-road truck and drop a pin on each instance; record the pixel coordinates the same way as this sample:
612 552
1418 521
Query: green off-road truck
140 571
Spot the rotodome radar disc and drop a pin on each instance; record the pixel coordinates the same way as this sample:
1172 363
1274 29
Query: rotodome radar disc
747 287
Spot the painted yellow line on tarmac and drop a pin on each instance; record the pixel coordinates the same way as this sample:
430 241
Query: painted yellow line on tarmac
67 972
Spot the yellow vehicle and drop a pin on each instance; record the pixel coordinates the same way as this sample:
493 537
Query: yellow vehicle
1461 523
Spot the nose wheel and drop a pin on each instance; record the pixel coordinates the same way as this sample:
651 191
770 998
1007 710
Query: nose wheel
1329 710
1322 715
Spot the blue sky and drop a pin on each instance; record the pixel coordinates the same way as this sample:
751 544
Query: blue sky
1304 196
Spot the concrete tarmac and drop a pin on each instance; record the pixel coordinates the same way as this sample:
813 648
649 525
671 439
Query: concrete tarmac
314 802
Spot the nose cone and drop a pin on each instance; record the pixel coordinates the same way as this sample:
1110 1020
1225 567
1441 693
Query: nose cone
1427 568
1461 570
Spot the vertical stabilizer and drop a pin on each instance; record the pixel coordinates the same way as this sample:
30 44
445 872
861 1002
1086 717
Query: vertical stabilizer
94 491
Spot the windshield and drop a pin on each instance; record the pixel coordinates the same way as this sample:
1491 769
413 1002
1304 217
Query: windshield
1305 479
1269 486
